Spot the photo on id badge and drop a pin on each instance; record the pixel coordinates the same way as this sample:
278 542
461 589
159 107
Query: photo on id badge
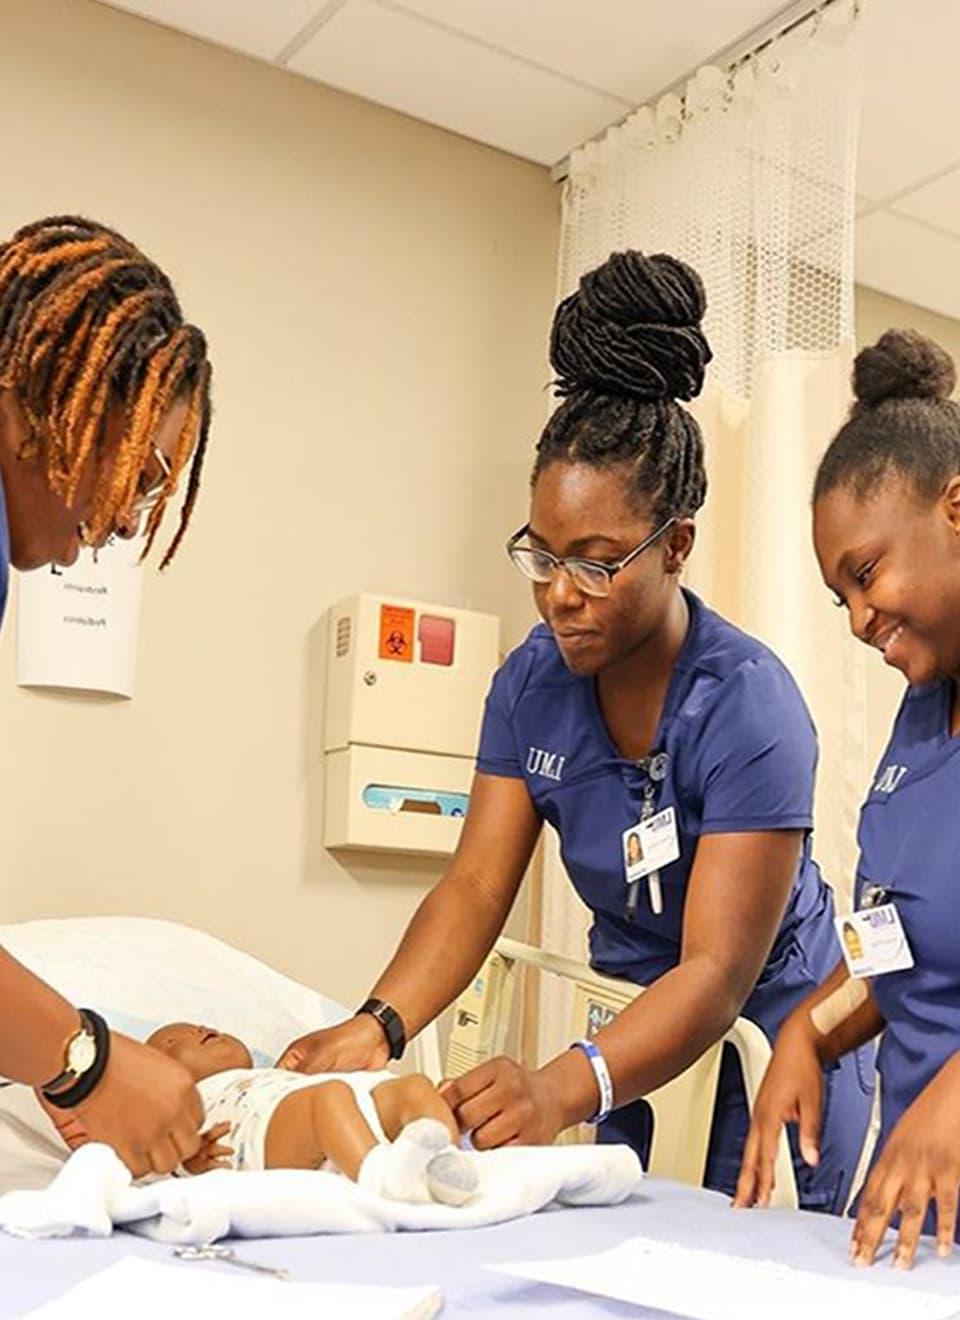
633 857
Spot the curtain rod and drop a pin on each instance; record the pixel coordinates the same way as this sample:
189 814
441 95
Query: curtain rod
728 57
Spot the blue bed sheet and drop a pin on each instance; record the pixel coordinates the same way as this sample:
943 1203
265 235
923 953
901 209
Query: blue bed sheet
33 1272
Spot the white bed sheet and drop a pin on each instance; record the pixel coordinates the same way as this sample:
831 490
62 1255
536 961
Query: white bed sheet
33 1272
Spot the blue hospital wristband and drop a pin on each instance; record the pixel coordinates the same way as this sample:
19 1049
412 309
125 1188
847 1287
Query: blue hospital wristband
603 1079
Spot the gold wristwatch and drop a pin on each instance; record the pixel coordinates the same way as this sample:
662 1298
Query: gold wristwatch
80 1054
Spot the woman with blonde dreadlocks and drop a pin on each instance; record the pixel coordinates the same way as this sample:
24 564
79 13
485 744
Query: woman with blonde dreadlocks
104 402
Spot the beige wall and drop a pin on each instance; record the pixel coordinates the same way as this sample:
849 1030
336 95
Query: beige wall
876 312
377 295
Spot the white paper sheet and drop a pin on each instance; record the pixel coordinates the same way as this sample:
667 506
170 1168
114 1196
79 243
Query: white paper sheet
709 1285
149 1291
78 627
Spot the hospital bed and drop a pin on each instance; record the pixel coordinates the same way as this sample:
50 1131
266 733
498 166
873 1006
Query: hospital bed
150 967
34 1272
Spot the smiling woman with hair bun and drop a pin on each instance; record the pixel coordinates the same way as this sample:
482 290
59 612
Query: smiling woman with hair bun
886 523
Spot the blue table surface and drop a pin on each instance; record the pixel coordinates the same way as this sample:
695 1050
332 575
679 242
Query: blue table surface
34 1272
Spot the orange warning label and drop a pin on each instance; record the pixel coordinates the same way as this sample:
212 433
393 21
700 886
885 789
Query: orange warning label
396 632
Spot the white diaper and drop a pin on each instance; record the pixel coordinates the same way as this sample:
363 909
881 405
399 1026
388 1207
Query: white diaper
247 1099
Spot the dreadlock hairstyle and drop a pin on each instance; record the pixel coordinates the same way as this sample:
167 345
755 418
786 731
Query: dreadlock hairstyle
625 346
87 324
902 420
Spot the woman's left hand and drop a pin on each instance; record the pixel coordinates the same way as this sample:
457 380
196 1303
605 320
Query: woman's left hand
501 1103
919 1164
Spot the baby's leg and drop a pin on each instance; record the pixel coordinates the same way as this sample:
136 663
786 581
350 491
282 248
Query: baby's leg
317 1123
403 1099
425 1137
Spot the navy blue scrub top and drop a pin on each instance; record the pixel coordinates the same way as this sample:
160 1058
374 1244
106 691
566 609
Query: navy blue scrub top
910 848
4 553
742 755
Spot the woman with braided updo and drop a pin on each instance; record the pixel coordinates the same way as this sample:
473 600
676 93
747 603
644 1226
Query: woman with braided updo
104 403
632 709
886 525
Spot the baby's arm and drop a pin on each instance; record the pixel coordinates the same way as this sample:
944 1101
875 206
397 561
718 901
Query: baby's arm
317 1123
213 1152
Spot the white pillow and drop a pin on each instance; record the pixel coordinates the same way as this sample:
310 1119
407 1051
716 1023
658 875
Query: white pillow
139 973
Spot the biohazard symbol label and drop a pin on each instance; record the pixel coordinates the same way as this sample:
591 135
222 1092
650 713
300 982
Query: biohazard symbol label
396 633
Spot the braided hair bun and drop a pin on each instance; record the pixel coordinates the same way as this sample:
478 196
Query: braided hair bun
632 328
903 420
902 364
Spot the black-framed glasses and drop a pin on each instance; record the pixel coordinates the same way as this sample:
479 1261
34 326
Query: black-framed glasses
591 576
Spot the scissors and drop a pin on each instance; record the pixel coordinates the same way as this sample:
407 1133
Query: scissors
227 1256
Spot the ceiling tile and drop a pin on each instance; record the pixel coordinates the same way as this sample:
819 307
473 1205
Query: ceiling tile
256 27
433 74
937 203
629 48
907 260
909 122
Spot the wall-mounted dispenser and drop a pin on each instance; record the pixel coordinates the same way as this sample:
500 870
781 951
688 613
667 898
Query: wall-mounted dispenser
405 689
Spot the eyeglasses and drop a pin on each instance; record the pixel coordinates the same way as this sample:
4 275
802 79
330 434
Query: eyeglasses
150 492
591 576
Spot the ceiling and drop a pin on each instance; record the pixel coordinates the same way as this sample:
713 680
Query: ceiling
538 77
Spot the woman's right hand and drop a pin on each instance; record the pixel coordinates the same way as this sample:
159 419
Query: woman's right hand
791 1091
354 1046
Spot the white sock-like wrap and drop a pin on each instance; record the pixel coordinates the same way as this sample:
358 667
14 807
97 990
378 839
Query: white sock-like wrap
421 1166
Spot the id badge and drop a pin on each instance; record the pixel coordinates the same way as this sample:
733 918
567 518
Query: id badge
874 942
650 845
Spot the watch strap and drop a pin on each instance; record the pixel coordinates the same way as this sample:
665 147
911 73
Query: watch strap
391 1022
82 1085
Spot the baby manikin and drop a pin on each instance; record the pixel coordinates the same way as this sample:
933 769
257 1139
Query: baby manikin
392 1135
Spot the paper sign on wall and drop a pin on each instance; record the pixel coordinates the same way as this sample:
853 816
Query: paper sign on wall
78 626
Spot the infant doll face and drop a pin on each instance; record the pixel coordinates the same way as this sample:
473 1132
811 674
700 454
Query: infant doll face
201 1050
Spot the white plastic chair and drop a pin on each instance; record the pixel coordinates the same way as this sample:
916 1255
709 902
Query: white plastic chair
682 1108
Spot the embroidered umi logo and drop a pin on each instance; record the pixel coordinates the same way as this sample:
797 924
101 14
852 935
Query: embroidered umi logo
890 779
547 764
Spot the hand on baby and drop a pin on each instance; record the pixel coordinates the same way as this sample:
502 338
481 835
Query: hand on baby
353 1046
145 1106
501 1103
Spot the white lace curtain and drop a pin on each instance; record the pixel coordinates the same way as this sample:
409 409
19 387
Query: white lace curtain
750 178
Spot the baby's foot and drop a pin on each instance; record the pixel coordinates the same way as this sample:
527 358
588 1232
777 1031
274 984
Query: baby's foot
405 1166
452 1177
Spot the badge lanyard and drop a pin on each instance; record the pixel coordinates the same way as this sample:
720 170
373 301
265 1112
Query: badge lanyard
655 767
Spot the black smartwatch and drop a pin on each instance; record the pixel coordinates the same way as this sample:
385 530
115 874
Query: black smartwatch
391 1022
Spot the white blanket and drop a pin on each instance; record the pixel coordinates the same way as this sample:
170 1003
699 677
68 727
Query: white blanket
94 1193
